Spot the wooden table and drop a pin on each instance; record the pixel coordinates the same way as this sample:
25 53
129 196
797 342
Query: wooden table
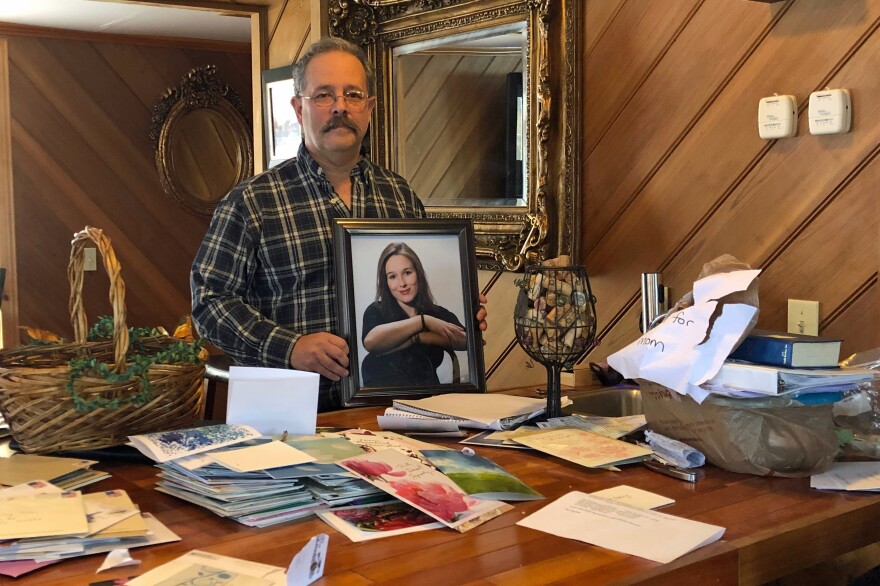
774 526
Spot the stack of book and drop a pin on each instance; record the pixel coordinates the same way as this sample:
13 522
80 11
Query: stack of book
45 524
778 363
449 412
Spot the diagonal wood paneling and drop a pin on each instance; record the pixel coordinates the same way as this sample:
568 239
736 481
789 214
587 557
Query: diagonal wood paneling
601 14
454 144
687 81
670 190
81 113
643 33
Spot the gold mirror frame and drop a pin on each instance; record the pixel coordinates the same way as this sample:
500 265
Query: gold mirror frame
507 238
200 90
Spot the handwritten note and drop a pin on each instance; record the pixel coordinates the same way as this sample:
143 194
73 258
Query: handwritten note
688 348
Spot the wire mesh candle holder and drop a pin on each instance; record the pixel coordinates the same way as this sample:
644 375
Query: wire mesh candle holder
555 322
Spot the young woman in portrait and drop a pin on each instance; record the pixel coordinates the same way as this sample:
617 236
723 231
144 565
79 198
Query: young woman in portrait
404 331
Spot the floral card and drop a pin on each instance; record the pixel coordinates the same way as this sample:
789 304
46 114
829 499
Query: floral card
366 522
170 445
428 490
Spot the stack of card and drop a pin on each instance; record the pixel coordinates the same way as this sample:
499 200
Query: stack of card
43 523
65 473
231 471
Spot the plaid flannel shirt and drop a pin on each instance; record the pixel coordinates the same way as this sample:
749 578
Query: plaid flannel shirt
264 274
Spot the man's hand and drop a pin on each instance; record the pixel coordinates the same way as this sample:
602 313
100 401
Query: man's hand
323 353
482 313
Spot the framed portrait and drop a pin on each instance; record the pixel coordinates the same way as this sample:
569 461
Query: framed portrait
282 133
407 302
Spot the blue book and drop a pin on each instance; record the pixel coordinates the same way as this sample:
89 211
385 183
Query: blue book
791 350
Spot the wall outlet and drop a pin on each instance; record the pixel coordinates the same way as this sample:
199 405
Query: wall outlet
90 259
803 317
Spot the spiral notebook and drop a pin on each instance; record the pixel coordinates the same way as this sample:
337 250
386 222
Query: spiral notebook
484 411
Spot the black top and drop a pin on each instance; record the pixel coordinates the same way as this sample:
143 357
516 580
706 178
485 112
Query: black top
414 365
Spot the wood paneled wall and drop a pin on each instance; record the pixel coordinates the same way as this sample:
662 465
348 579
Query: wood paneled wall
676 175
81 154
453 123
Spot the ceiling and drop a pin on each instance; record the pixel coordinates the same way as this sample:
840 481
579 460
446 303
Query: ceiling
126 19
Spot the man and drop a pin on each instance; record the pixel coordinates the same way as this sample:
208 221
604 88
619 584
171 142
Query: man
262 281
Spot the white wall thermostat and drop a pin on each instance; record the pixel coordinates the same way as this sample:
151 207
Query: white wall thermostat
777 117
830 112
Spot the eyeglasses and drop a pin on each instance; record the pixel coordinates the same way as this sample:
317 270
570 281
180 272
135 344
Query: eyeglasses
355 100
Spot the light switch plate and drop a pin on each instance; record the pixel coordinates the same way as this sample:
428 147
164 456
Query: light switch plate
803 317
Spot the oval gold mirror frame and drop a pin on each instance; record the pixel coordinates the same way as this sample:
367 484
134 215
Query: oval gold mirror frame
196 127
549 225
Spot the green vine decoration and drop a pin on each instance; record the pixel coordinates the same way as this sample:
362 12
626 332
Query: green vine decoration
178 352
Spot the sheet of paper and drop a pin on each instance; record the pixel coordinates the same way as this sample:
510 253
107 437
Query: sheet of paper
619 527
308 565
683 352
43 515
848 476
715 287
635 497
273 400
261 457
197 566
117 558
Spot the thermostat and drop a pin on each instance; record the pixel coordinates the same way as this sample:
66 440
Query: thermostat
830 112
777 117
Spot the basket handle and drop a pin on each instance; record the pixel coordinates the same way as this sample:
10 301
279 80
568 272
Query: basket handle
75 275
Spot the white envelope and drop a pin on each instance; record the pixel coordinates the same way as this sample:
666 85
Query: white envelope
273 400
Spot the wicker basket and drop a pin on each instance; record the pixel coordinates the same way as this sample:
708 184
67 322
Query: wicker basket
47 414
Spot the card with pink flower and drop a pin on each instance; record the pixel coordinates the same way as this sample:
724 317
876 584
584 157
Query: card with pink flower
423 487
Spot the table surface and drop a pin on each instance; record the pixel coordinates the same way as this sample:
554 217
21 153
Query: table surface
774 526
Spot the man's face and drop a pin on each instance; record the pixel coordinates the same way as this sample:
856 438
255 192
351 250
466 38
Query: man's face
336 129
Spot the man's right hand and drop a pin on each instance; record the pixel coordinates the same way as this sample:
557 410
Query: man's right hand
323 353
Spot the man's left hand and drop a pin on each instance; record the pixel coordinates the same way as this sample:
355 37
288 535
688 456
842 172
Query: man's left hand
482 313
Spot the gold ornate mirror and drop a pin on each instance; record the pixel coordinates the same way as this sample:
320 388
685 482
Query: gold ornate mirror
202 140
475 107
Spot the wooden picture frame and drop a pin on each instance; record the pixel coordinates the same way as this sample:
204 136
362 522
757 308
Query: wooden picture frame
282 133
404 364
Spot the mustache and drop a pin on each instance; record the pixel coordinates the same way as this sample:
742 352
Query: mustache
340 122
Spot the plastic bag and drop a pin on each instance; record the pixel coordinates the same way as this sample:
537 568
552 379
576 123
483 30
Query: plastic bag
773 436
859 411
